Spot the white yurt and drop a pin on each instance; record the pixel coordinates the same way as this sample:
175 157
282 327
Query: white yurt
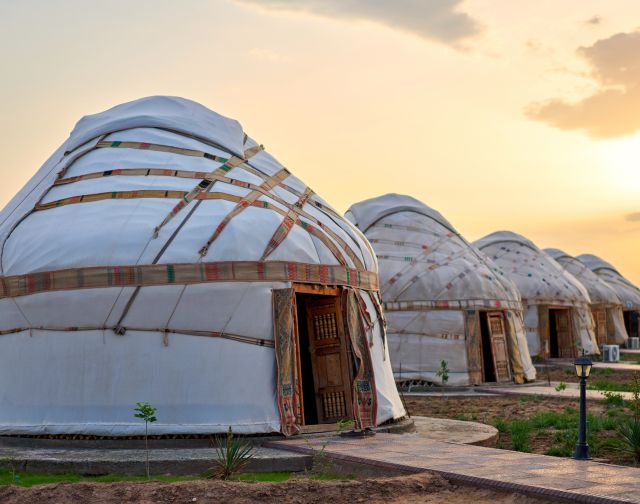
628 293
443 300
557 312
161 255
606 306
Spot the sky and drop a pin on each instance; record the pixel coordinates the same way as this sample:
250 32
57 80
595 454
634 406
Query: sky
502 115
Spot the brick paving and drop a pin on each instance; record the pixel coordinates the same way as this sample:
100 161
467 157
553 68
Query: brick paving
551 477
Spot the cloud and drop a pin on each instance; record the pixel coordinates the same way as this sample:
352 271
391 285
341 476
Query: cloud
633 217
595 20
613 110
437 20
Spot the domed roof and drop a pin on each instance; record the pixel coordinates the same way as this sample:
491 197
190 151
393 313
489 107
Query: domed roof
628 293
599 291
423 258
117 193
539 278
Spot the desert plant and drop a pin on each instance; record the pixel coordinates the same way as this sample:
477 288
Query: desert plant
232 455
613 398
561 386
146 412
629 433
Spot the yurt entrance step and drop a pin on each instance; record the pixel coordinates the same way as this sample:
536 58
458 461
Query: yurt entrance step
324 364
632 323
560 334
495 359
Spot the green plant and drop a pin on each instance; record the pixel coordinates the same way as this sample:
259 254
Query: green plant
520 430
443 372
344 424
629 433
561 386
232 455
9 461
635 396
613 398
146 412
501 425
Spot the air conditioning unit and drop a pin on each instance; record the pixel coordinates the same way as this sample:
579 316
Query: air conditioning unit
610 353
633 343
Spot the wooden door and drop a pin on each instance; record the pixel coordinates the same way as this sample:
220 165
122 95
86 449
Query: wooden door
499 347
566 348
473 342
329 359
600 318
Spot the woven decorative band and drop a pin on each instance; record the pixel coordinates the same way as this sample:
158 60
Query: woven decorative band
461 304
186 274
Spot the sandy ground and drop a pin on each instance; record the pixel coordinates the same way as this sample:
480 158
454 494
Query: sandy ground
423 488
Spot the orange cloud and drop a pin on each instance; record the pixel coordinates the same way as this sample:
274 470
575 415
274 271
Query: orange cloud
614 109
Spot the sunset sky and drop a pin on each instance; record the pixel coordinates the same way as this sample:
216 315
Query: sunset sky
500 114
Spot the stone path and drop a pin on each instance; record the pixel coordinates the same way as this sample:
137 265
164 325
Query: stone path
572 391
588 482
444 429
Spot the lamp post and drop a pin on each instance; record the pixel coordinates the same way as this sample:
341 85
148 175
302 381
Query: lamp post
583 368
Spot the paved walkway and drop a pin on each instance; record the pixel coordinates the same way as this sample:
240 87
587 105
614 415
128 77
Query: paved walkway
551 477
572 391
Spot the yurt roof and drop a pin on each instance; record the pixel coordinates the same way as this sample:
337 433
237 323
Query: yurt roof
627 292
368 212
539 278
599 291
422 258
78 211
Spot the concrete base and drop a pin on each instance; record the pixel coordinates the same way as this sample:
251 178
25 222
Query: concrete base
456 431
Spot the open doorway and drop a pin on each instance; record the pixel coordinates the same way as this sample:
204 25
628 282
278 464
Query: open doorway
495 361
632 323
560 335
325 367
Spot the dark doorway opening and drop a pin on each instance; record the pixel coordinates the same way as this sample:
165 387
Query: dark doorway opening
632 323
488 369
324 364
553 335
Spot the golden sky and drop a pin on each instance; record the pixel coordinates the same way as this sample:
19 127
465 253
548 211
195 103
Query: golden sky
500 114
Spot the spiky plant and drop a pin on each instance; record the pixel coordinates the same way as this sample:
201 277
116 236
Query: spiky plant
232 455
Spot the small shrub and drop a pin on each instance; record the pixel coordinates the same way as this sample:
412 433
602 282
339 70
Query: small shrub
520 430
443 372
613 399
629 433
232 455
501 425
561 386
558 451
146 412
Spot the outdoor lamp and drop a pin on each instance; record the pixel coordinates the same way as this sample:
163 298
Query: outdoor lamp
583 365
583 368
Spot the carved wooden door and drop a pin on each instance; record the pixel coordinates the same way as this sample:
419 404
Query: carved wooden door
566 348
600 318
499 347
329 358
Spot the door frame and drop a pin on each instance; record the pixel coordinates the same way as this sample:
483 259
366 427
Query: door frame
569 310
316 290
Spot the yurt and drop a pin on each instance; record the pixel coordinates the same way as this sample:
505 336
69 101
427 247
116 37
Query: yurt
557 312
627 292
606 306
443 300
162 255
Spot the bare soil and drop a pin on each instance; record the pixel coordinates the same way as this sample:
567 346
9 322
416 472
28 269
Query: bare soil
422 488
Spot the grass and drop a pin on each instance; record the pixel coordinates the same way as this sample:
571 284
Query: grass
28 479
610 386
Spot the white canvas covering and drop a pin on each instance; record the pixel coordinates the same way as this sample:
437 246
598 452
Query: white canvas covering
628 293
199 349
541 282
430 277
600 293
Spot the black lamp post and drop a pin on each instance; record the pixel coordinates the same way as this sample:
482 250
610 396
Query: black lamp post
583 368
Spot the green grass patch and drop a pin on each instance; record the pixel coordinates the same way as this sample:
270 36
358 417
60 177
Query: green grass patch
609 386
520 431
265 476
28 479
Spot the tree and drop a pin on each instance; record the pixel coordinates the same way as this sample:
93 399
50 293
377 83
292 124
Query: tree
146 412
